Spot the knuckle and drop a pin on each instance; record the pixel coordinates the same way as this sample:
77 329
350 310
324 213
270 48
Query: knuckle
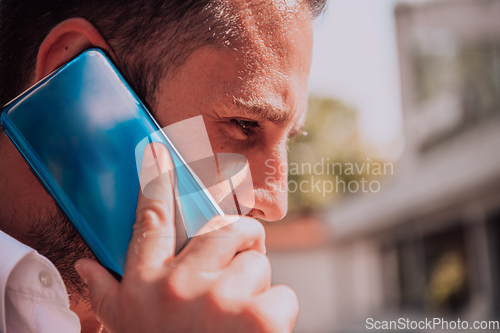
130 295
253 259
255 320
251 223
150 217
219 302
259 257
258 229
266 267
247 225
290 295
172 289
263 320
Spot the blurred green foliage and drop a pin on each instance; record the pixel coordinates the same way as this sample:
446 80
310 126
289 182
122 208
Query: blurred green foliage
447 280
332 137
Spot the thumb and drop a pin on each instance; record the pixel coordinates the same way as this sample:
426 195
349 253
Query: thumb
153 237
103 289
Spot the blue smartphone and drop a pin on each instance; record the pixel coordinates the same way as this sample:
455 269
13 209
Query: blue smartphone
79 129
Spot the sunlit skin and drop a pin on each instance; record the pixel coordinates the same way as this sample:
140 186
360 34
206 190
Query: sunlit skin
252 100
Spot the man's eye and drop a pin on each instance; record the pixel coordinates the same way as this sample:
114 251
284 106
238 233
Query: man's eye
246 126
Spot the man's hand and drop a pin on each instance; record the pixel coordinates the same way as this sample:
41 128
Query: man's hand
220 282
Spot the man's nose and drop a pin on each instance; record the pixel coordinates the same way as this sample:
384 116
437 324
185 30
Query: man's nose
270 176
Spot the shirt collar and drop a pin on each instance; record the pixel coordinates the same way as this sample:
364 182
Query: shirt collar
11 252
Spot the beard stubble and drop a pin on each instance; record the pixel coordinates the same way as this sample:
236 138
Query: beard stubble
55 237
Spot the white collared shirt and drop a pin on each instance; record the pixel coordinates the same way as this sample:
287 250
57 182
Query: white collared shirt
33 297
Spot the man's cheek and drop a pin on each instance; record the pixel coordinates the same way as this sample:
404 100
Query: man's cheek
275 171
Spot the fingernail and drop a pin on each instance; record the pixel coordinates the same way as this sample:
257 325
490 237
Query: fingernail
79 269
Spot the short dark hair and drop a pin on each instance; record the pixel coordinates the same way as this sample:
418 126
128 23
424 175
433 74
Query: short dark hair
150 36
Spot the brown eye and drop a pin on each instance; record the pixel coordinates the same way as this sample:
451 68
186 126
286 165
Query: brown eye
246 126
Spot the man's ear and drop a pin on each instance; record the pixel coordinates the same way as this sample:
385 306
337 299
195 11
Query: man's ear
64 42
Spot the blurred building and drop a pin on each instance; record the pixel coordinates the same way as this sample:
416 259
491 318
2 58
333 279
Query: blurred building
428 244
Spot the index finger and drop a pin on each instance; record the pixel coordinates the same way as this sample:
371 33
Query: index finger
153 237
216 249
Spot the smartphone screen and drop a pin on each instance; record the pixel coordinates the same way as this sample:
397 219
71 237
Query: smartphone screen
79 129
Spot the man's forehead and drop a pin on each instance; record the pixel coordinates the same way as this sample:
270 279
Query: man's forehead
269 23
286 9
274 48
272 84
264 79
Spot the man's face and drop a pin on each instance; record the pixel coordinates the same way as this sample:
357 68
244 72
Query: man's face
251 99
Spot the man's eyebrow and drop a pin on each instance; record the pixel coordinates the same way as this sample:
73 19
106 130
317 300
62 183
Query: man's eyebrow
273 113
